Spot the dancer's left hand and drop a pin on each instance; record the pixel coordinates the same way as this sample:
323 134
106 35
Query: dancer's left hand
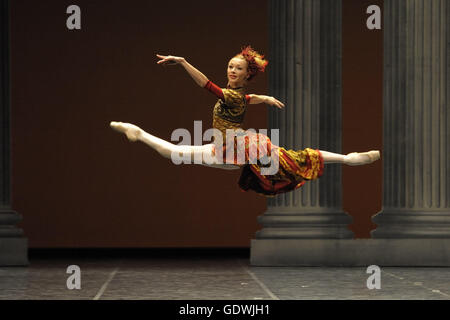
274 102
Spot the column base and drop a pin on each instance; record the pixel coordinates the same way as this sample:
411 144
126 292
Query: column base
350 252
311 223
13 251
407 224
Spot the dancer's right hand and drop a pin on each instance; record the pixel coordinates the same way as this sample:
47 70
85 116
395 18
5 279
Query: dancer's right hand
169 60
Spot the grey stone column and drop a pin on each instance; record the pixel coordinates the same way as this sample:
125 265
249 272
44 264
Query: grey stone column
13 245
305 73
416 195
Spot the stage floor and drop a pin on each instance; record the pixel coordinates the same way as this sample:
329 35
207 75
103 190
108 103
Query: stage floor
217 278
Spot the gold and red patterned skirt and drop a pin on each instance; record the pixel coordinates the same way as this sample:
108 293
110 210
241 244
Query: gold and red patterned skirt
292 167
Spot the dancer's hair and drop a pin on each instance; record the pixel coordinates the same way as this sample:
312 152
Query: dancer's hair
255 60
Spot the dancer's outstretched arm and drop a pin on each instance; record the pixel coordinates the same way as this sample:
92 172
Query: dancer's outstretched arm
198 77
257 98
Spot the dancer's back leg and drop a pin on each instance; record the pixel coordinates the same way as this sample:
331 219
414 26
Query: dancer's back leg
351 159
166 149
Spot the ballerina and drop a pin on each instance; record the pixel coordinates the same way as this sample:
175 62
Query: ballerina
294 167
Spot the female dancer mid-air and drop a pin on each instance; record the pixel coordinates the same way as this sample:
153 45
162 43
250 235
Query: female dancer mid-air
254 150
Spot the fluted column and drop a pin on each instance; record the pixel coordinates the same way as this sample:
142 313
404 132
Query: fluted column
13 245
416 187
305 73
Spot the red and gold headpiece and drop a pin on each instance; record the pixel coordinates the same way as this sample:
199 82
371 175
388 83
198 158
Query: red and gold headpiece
256 62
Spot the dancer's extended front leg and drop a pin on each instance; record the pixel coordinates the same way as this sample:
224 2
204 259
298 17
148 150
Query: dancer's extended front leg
351 159
167 149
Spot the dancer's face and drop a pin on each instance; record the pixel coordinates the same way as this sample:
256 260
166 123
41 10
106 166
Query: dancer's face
237 72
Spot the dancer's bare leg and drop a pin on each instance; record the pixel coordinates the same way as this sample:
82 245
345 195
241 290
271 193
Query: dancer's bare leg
165 148
351 159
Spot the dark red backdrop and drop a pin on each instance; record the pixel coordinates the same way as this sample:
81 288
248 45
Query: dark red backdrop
362 121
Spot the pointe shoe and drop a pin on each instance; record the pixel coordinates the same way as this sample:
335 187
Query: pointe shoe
131 131
358 159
